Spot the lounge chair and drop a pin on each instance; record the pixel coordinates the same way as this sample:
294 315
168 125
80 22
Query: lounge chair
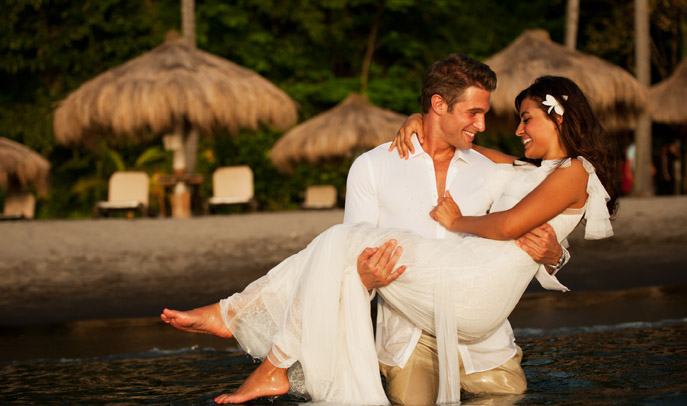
232 185
320 197
127 191
19 206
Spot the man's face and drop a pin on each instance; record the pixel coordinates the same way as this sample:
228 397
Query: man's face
466 119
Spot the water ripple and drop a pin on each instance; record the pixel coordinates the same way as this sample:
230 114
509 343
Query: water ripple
633 363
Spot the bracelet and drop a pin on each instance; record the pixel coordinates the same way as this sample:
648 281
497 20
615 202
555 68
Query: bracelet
565 256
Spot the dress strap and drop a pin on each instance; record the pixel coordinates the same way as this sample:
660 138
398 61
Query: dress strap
598 220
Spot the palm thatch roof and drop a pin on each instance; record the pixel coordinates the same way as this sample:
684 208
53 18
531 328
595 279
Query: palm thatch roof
173 82
352 126
23 166
616 96
668 98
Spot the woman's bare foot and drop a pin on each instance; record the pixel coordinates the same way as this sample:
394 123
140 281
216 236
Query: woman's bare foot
266 380
206 320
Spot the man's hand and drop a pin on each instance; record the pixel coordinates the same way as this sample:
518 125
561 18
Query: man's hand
541 244
376 265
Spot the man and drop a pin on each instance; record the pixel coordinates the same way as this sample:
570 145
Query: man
388 191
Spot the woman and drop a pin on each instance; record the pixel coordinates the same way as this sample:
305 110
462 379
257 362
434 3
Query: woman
312 308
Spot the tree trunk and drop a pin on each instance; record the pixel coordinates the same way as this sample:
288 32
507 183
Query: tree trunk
572 17
188 21
188 27
643 185
371 39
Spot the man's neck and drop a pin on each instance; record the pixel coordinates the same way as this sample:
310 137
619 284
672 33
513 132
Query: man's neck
437 149
441 154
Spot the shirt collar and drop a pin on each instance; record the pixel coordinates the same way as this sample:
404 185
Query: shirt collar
464 155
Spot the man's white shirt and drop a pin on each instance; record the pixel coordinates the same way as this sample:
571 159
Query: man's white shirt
387 191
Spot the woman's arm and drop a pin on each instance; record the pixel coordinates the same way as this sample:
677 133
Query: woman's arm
494 155
413 125
402 142
564 188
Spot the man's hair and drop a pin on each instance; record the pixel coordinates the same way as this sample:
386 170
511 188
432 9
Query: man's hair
449 77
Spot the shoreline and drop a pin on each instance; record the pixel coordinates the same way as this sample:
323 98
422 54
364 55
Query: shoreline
541 314
66 270
74 289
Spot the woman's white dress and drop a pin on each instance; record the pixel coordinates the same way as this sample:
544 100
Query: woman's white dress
312 307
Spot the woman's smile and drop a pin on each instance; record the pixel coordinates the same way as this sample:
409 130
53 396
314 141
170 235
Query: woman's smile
537 132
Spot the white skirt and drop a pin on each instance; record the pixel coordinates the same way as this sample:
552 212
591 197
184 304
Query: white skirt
313 308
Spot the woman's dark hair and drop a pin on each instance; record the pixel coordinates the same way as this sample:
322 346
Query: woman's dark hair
580 133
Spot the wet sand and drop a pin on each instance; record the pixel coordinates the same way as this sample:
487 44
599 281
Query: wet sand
92 287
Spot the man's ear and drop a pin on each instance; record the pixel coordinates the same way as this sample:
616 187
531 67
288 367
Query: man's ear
438 104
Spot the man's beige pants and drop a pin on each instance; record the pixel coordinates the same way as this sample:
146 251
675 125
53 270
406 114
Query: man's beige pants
417 383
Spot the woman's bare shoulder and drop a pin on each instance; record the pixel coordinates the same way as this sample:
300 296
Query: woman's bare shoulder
573 178
570 172
575 168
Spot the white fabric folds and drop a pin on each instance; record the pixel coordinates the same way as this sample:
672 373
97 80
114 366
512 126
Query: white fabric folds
312 308
598 220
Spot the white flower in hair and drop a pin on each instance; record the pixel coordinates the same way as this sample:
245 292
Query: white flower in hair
554 104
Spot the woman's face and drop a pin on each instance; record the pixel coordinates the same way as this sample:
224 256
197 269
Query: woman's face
539 135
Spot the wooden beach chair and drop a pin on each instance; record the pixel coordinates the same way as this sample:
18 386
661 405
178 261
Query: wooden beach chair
19 206
128 192
320 197
232 185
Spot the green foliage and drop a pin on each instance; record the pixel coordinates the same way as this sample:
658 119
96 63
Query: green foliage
608 32
313 49
153 156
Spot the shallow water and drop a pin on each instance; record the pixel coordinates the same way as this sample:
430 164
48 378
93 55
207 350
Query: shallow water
633 363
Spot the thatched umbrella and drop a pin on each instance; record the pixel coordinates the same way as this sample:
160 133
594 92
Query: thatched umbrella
668 101
352 126
22 167
173 88
171 83
668 98
616 96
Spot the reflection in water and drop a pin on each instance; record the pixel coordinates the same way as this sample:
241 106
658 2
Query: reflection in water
639 365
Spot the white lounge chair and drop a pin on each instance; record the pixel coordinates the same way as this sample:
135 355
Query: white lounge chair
320 197
232 185
127 191
19 206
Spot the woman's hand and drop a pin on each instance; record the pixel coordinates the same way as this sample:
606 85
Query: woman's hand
446 211
412 125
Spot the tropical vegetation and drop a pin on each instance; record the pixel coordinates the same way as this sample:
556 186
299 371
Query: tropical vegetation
312 49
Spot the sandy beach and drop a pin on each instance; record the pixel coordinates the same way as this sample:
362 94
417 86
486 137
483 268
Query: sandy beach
63 270
97 286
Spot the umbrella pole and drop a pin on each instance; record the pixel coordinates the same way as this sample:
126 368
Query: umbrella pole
181 201
191 149
181 196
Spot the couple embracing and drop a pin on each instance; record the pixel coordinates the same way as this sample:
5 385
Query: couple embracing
459 231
